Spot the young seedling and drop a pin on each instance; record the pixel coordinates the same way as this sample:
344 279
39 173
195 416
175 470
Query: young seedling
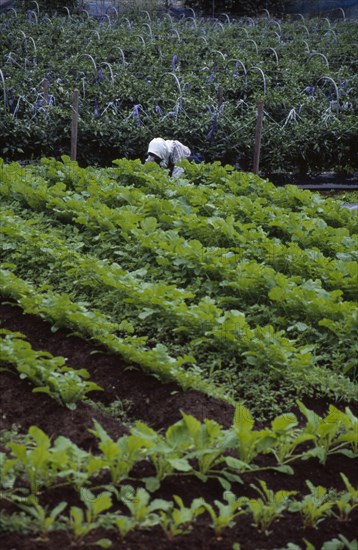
287 437
178 521
83 523
42 521
330 434
269 507
165 453
206 442
227 512
142 510
249 442
347 501
121 455
124 524
34 459
314 507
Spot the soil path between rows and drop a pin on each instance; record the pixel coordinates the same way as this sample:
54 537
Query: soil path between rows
147 398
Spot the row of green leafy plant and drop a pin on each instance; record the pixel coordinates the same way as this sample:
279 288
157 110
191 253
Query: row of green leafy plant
91 199
62 312
189 447
90 323
155 296
198 321
205 198
312 312
175 518
49 374
34 465
193 79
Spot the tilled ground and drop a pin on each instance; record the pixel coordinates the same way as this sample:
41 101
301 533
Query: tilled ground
159 405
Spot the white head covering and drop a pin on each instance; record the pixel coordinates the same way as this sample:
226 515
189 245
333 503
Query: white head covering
159 147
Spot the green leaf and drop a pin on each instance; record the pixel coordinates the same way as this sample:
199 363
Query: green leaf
225 484
284 422
152 484
237 464
180 464
104 543
284 469
243 419
101 503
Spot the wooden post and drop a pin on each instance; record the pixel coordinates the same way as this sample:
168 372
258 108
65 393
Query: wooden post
74 125
45 84
258 133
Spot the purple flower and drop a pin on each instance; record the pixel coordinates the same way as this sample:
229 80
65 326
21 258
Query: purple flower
174 62
310 90
211 77
158 110
99 75
213 128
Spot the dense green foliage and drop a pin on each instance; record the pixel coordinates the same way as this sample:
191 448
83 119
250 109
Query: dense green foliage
219 279
196 80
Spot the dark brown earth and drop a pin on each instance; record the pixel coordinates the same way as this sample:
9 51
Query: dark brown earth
159 405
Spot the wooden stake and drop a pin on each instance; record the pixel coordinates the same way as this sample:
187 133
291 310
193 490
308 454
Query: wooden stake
74 125
258 133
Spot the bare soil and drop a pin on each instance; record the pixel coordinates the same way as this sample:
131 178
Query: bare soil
159 405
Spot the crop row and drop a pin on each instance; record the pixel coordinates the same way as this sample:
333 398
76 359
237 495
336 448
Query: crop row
200 81
49 374
63 313
201 322
188 448
136 219
175 518
297 215
203 449
210 180
220 270
162 227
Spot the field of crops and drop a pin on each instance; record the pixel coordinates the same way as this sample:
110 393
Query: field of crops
193 79
178 360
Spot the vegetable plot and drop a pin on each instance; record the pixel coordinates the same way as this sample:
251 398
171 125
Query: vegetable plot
198 80
219 281
56 490
177 333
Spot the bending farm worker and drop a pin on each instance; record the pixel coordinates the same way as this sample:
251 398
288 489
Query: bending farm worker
166 153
